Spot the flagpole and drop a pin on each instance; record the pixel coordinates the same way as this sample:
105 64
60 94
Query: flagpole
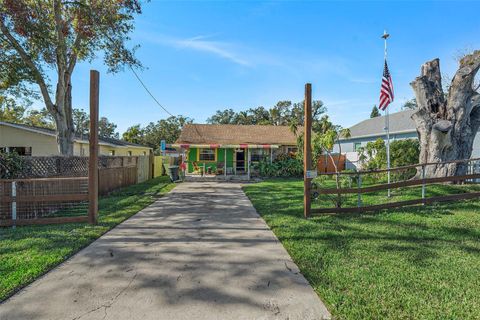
387 117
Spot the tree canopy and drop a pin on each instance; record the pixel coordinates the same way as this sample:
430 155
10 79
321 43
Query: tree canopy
54 35
151 135
375 112
283 113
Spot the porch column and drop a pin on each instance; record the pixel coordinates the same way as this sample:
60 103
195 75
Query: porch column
248 163
225 166
271 155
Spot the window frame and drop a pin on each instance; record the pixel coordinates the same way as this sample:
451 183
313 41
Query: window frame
262 154
199 154
355 144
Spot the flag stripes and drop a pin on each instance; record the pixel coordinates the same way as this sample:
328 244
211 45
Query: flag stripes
386 90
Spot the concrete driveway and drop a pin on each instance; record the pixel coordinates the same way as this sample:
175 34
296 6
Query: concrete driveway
199 253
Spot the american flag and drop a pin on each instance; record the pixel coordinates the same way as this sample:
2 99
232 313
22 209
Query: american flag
386 92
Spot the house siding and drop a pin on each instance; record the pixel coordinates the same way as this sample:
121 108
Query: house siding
347 146
192 156
46 145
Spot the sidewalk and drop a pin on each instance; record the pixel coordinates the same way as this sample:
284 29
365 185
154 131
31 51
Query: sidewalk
199 253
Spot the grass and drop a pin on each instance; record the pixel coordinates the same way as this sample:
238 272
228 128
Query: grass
411 263
30 251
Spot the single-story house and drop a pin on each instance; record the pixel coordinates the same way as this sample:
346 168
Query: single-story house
36 141
401 127
231 149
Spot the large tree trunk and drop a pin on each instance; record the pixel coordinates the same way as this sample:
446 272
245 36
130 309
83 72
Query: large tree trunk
62 113
447 124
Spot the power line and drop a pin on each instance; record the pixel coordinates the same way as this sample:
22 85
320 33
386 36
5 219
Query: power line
148 91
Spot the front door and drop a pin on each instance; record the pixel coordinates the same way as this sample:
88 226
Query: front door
240 160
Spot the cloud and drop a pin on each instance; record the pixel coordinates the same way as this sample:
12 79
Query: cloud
224 50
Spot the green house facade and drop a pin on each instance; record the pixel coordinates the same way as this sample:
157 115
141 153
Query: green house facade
232 149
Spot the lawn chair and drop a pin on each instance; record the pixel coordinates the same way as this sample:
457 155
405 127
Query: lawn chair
220 168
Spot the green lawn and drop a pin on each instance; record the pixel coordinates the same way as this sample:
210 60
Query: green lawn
28 252
412 263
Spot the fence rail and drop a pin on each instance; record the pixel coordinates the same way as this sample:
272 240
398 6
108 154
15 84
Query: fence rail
43 201
46 190
410 176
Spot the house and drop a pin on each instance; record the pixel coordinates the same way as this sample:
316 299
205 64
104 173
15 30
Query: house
36 141
232 149
401 127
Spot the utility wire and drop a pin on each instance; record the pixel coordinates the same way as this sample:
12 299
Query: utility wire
148 91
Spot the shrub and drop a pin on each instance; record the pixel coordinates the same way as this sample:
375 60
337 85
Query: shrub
402 153
11 164
282 166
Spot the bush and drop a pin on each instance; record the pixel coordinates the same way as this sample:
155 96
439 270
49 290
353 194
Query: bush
11 164
283 166
402 153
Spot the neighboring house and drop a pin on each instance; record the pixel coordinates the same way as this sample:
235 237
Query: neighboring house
401 127
36 141
233 147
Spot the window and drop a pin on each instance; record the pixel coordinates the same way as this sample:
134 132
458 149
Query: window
258 154
292 150
357 146
206 155
129 153
144 153
112 152
21 151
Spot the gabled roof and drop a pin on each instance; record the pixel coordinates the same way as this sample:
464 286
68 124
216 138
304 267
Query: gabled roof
236 134
400 122
78 138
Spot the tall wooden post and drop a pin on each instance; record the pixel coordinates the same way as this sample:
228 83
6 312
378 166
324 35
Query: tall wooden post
93 147
307 150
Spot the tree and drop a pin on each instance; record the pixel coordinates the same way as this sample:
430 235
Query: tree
106 129
81 122
324 143
447 123
375 112
226 116
10 111
39 118
134 134
284 113
410 104
166 129
37 36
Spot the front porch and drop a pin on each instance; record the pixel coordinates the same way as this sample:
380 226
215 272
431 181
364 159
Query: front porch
225 162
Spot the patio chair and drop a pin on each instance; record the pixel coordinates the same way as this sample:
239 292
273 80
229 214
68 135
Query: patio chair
220 167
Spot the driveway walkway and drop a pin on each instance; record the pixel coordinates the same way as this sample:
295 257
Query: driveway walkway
199 253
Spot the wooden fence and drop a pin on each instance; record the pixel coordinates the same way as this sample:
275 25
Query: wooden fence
365 183
43 201
55 189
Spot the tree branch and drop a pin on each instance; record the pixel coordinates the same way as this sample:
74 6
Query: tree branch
428 89
74 54
28 61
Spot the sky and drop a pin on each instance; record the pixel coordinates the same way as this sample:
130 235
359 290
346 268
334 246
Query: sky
203 56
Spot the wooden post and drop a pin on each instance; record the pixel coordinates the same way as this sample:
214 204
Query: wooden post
93 147
14 204
359 186
248 163
423 183
225 163
307 150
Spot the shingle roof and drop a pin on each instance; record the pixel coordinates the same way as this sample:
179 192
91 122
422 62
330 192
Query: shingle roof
399 122
51 132
236 134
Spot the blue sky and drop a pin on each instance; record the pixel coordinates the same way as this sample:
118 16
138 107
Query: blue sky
204 56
